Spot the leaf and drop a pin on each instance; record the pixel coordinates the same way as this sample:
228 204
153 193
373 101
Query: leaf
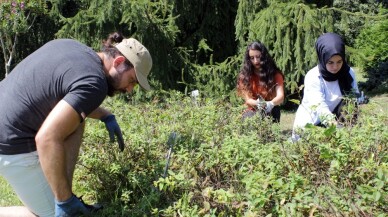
296 101
380 173
334 164
377 196
330 130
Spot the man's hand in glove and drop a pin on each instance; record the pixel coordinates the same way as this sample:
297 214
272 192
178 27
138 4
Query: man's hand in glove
114 129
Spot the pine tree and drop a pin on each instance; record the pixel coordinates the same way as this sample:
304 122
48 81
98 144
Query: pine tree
177 33
245 15
17 17
289 30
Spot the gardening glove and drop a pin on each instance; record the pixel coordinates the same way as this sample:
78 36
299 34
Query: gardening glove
362 99
260 103
114 129
269 106
328 120
71 208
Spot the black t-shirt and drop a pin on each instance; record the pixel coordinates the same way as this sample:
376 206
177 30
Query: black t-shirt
61 69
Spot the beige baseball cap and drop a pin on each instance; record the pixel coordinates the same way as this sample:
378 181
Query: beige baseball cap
140 57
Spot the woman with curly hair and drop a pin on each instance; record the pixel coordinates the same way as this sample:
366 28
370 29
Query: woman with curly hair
260 83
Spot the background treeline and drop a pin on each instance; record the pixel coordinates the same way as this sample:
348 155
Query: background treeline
220 166
199 44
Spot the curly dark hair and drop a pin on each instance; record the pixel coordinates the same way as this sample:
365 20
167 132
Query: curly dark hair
267 73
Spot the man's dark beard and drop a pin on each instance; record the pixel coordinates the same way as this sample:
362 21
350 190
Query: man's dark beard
111 90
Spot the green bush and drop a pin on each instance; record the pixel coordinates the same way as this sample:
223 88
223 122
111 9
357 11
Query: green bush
377 78
372 55
223 166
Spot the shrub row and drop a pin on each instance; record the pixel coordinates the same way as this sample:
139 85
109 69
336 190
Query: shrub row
223 166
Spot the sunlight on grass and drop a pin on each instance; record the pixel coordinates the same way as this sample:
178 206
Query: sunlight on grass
360 75
381 101
286 121
7 196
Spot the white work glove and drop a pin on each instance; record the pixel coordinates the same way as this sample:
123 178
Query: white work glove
328 119
269 106
362 99
260 104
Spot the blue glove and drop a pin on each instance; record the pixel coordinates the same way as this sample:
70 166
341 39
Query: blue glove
269 106
114 129
71 208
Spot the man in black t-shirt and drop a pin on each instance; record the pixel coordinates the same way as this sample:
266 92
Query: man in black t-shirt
44 102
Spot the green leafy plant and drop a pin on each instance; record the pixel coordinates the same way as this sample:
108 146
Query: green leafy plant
17 17
223 166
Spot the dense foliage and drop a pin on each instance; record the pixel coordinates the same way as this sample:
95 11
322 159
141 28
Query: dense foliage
176 32
222 166
351 17
291 36
192 40
372 44
16 18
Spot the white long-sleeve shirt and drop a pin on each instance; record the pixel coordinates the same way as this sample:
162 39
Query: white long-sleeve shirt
320 98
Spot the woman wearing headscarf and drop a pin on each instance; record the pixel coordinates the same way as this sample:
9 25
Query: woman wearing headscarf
325 85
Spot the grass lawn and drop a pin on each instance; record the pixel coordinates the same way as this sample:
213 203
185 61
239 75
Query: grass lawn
7 196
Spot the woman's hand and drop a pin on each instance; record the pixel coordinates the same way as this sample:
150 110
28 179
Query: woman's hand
251 102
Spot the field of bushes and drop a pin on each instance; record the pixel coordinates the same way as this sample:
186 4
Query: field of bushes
223 166
196 157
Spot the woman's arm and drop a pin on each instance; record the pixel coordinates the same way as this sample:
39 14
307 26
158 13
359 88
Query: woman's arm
279 89
279 98
314 97
249 101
